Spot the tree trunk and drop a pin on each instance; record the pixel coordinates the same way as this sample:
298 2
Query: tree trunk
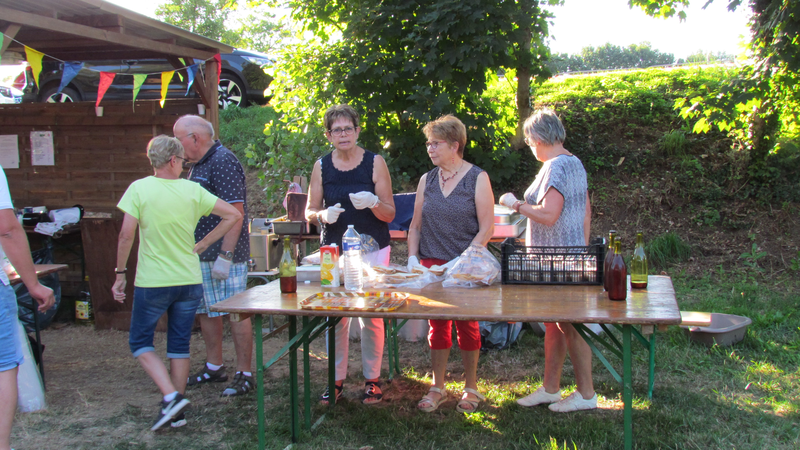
523 92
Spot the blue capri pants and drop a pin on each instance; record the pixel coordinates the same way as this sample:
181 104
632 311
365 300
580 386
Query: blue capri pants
149 304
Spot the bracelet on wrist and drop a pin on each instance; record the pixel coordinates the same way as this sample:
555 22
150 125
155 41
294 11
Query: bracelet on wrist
517 205
120 272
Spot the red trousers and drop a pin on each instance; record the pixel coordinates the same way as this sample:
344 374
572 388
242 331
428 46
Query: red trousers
440 335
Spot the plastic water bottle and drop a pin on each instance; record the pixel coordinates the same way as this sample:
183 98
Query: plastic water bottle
351 245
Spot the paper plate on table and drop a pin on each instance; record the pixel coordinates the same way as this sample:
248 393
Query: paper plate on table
355 301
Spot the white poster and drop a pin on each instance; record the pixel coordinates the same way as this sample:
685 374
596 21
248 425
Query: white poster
42 148
9 151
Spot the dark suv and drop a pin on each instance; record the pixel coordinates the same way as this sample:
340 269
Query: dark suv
241 82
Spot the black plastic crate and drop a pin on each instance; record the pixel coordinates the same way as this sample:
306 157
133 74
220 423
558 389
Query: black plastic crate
522 264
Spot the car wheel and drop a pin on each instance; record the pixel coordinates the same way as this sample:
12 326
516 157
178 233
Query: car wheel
231 92
67 95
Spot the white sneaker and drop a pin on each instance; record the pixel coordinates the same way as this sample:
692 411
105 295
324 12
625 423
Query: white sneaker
538 397
575 402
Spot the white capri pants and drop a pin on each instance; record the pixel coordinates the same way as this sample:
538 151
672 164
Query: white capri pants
372 335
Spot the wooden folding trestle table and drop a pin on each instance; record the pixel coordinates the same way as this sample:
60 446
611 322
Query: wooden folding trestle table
648 309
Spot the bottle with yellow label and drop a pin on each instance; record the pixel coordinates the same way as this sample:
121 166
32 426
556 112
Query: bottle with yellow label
83 306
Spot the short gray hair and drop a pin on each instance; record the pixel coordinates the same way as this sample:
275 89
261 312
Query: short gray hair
161 149
544 126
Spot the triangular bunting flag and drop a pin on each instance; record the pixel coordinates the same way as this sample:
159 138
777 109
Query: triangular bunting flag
69 72
138 81
166 77
106 78
190 72
35 61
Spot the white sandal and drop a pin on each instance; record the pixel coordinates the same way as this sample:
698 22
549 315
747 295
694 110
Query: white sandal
465 401
432 403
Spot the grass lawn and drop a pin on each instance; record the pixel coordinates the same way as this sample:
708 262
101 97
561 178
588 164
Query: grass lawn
742 397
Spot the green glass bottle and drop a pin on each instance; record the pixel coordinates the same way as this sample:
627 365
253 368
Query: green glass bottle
639 265
609 257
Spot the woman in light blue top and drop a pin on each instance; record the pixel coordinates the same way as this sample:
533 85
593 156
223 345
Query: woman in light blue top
557 204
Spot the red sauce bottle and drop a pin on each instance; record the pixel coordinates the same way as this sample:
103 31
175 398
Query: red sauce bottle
618 275
609 259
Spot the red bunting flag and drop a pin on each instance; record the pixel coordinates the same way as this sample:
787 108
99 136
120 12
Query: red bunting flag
106 78
218 59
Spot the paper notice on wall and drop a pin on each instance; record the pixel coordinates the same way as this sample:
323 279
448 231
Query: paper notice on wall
42 148
9 151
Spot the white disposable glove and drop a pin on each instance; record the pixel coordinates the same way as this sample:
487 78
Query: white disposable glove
331 214
221 268
413 261
508 199
364 199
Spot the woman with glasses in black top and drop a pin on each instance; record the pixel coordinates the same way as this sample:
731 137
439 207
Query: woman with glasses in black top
352 186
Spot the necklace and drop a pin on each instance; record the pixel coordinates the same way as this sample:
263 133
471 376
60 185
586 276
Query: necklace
444 179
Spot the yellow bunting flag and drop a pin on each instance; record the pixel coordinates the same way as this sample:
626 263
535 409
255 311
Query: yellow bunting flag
35 61
138 81
166 77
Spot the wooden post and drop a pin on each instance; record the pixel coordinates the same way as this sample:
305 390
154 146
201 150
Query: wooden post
211 89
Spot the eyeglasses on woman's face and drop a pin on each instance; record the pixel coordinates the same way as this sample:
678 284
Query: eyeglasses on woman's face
530 141
182 158
433 145
339 132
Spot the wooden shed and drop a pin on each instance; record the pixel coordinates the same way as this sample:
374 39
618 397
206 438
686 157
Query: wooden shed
95 158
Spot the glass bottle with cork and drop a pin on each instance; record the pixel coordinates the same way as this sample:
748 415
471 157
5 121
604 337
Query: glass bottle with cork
609 258
287 268
639 264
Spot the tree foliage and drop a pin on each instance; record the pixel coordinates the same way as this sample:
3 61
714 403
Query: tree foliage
610 56
760 106
404 63
226 21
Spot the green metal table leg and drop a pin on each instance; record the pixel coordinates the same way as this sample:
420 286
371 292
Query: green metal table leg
395 329
306 378
293 406
332 360
387 331
627 386
262 439
652 375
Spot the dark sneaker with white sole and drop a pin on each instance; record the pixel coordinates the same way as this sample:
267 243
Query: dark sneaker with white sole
178 421
169 410
242 384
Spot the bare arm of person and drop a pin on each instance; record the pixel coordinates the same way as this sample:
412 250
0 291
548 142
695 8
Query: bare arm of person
416 221
484 208
15 244
229 215
385 209
587 220
314 203
232 236
124 244
548 212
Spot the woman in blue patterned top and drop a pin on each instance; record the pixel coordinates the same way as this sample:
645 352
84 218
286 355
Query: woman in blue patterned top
557 204
352 186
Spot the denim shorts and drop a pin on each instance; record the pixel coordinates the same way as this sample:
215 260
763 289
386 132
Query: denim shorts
10 346
149 304
215 291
